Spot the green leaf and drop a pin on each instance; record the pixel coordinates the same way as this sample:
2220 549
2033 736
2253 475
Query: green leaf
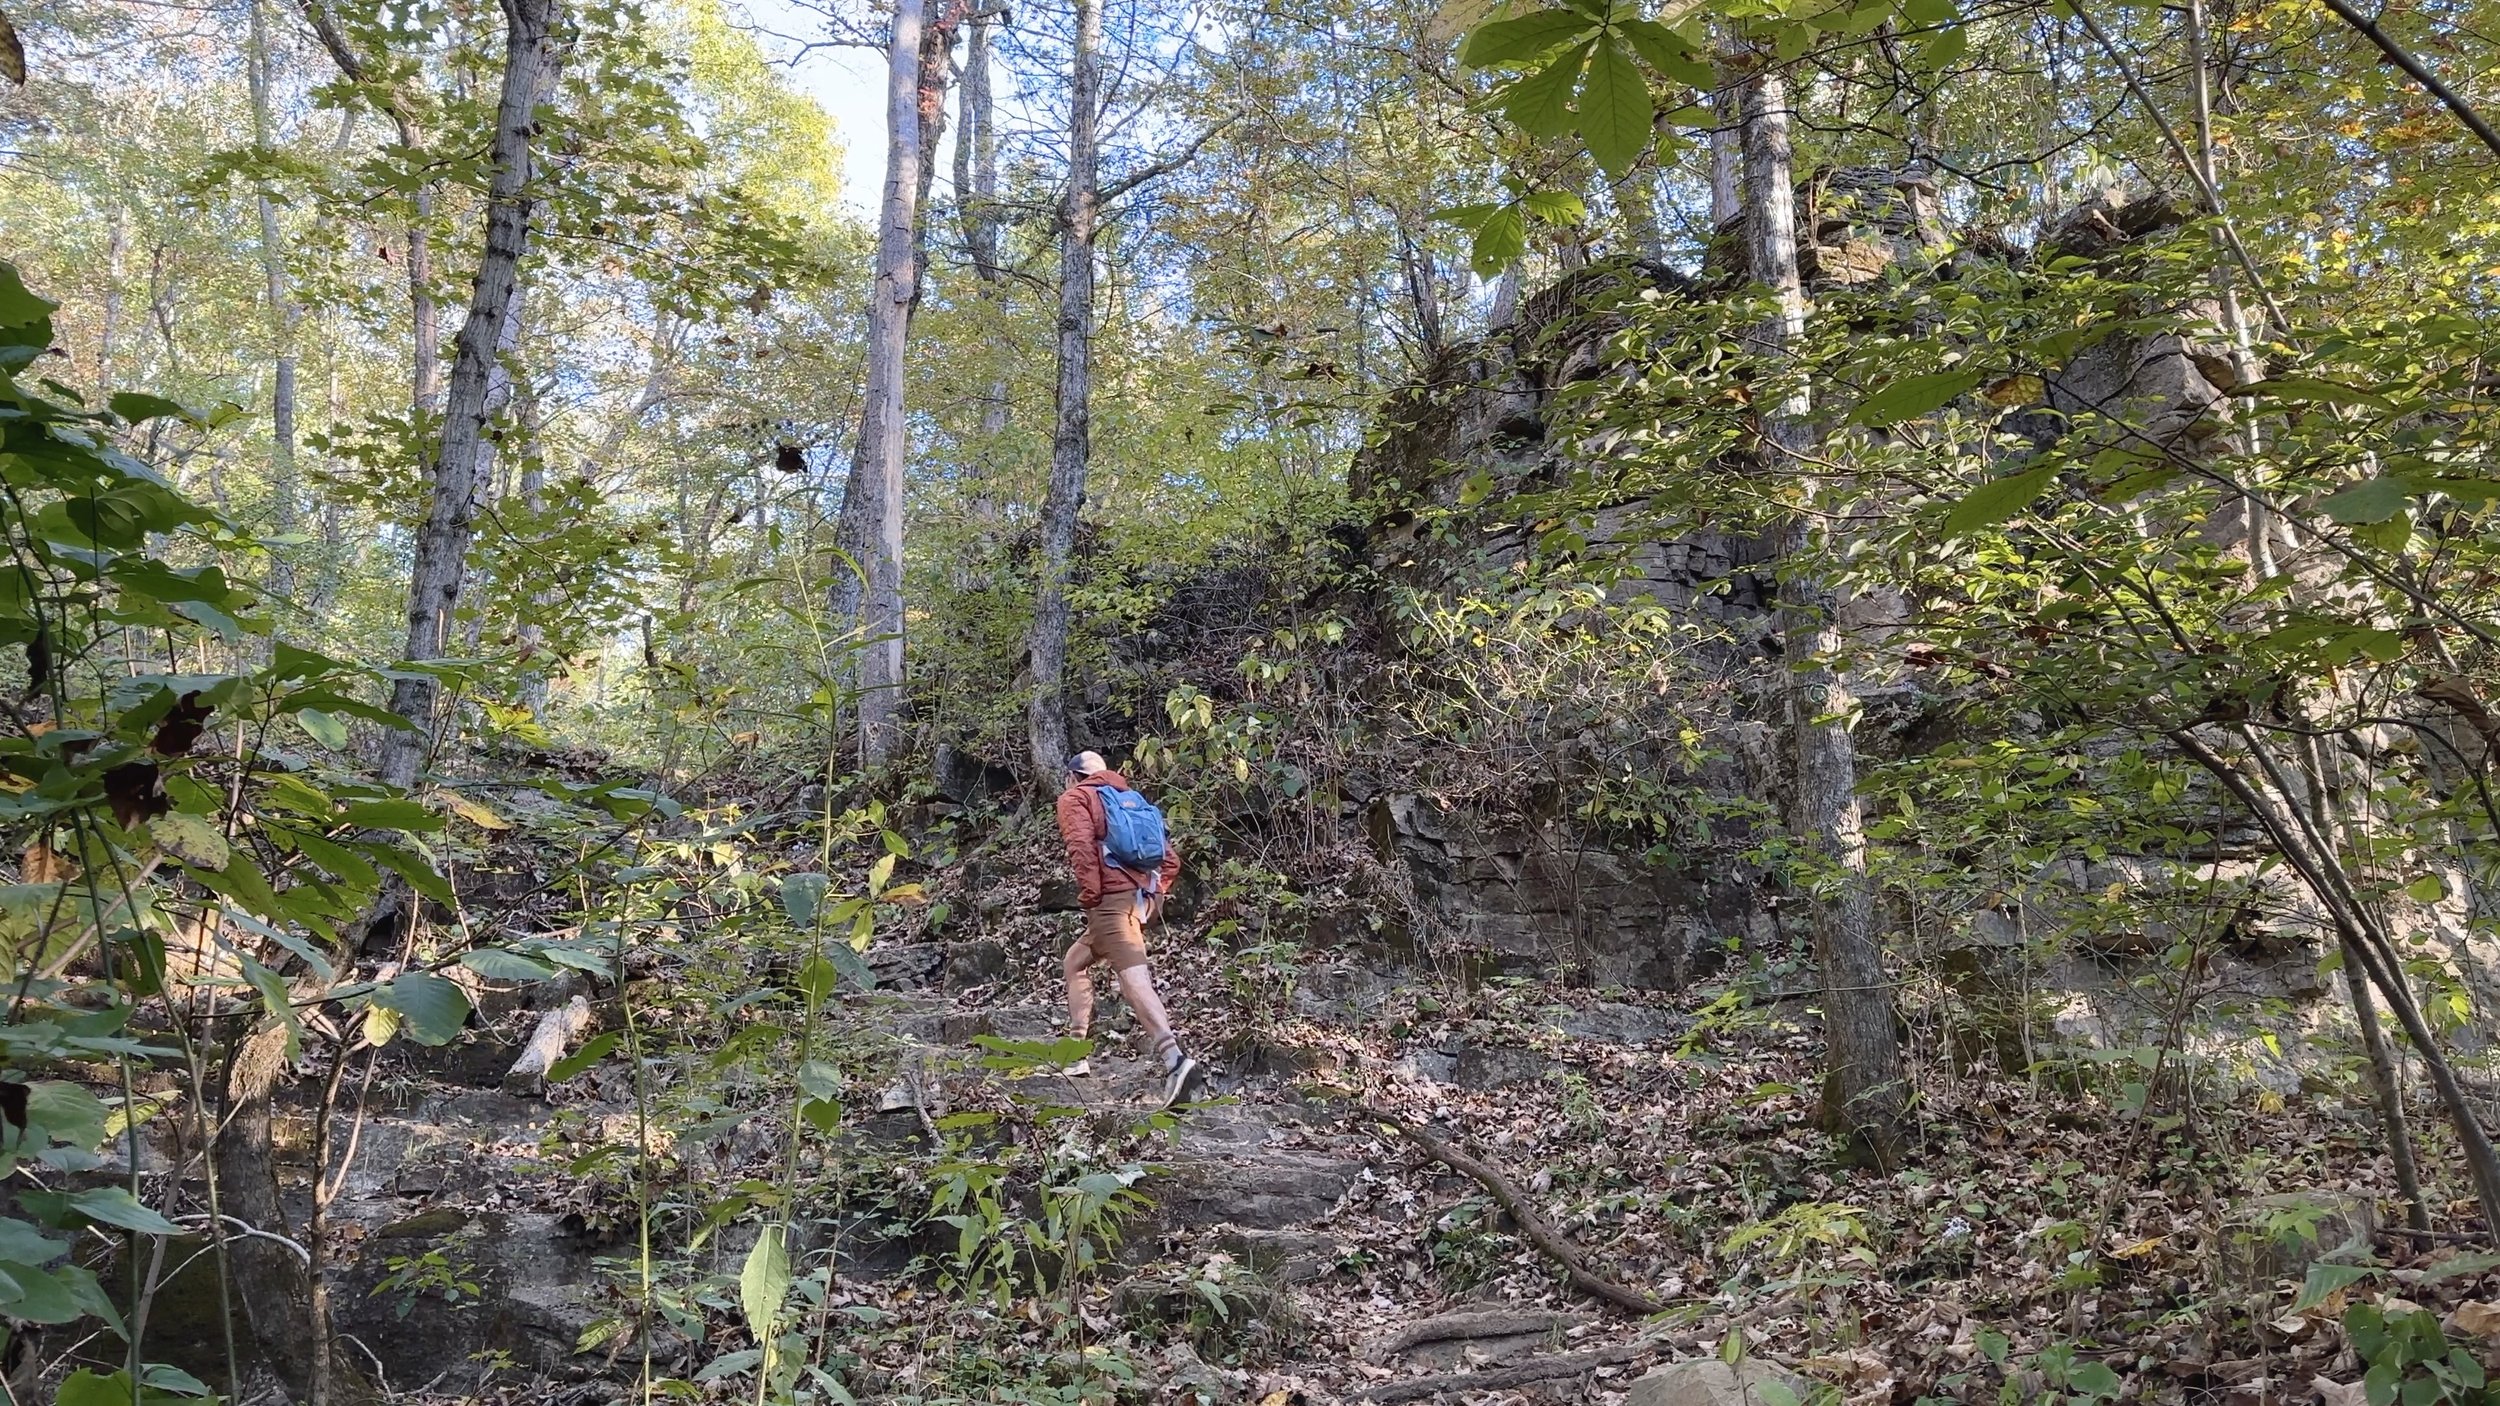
592 1051
504 964
764 1283
1615 109
1500 240
1527 37
1665 50
434 1008
324 728
2378 500
2325 1278
819 977
25 320
1555 207
392 815
1912 396
193 839
2429 888
1994 502
137 407
801 896
102 1205
67 1113
1541 102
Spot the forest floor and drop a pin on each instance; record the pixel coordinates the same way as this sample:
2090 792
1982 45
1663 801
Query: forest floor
2049 1238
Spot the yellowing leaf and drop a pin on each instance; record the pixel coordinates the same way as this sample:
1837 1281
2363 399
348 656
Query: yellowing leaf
474 812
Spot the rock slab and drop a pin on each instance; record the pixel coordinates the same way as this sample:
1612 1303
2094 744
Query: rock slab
1710 1382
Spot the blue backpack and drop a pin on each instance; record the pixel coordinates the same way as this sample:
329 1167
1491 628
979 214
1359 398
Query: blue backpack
1132 833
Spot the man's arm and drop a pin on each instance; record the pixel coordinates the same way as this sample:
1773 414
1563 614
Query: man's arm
1076 831
1171 867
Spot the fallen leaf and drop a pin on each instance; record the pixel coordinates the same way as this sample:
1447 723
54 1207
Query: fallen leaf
2481 1320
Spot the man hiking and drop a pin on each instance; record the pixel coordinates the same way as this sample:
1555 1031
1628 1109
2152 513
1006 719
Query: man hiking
1106 825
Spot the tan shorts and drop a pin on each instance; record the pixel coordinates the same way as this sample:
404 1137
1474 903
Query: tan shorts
1112 930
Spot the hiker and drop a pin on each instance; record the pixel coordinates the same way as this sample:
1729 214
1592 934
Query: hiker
1106 825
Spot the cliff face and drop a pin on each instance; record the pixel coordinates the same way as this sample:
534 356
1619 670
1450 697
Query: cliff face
1452 477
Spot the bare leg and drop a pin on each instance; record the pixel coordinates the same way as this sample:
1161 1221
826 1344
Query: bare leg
1138 989
1077 968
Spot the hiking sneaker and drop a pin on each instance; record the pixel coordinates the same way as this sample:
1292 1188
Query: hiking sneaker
1181 1082
1079 1069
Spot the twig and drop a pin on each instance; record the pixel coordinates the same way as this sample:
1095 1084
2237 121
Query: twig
243 1227
1540 1234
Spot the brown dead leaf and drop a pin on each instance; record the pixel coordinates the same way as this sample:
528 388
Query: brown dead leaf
2481 1320
2334 1393
45 865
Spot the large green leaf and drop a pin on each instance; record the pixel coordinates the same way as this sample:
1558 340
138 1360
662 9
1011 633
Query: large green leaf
2375 501
504 964
1913 396
1527 37
1615 108
1541 102
1665 50
1502 238
102 1205
433 1008
764 1283
1994 502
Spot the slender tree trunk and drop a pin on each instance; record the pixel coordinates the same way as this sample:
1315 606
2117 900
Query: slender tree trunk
494 471
1864 1095
424 321
1505 299
1637 196
1072 432
2387 1092
424 324
284 315
872 509
268 1279
1727 150
533 52
976 187
116 245
532 634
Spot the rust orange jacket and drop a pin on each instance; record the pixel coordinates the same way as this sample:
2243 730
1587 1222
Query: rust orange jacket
1081 827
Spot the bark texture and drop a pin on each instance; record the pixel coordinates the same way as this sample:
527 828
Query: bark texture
1072 429
534 43
872 509
1864 1092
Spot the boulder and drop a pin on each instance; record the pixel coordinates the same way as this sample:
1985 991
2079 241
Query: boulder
1710 1382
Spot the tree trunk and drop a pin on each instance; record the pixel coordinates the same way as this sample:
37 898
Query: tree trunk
1864 1095
1072 432
872 509
976 199
1727 149
494 466
531 636
284 315
116 245
2387 1092
533 52
268 1279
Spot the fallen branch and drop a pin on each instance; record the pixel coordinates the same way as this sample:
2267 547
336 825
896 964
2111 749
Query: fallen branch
1564 1364
556 1032
1532 1225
